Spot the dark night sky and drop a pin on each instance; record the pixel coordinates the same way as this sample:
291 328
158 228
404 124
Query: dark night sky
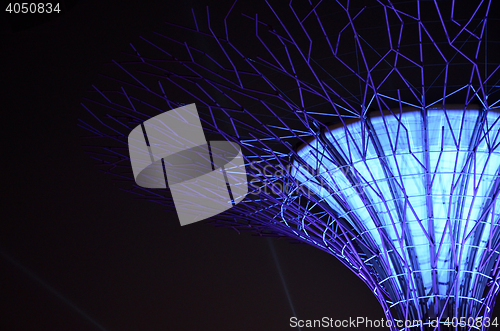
76 253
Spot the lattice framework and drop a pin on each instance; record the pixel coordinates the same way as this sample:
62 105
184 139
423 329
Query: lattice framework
276 82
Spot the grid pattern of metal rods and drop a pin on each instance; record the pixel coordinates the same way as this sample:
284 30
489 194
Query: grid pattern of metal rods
369 130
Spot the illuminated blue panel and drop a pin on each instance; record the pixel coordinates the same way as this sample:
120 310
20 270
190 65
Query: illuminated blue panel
418 187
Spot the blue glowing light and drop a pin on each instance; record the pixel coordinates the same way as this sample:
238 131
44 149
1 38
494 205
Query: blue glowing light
420 188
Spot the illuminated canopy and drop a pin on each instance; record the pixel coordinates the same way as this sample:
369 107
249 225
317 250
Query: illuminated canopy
420 191
395 105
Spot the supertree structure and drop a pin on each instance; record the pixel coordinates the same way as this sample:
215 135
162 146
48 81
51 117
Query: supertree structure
369 129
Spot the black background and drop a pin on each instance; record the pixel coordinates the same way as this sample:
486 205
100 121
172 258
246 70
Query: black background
77 253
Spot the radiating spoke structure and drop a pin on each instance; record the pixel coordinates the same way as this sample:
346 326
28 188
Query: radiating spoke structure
369 129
